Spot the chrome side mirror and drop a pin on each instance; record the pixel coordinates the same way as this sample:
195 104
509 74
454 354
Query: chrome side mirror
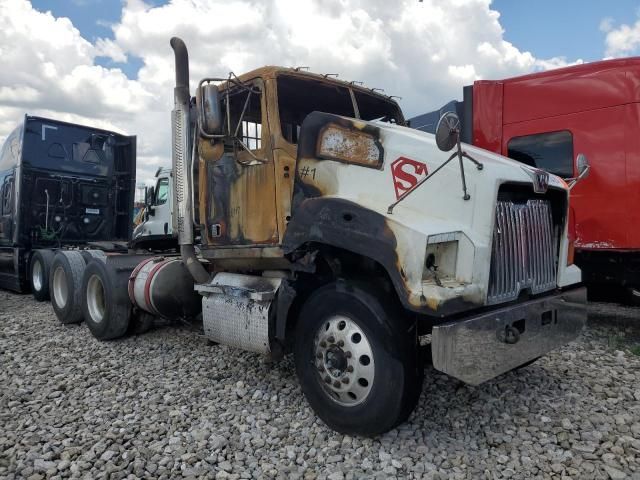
150 193
583 168
448 131
210 110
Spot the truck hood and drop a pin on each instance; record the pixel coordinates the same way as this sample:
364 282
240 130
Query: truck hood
409 156
421 144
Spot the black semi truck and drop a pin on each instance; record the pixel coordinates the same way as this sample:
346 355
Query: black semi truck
63 186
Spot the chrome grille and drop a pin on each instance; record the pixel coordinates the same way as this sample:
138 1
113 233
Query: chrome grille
523 253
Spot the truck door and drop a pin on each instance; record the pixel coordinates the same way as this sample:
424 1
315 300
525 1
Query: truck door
241 207
159 222
599 201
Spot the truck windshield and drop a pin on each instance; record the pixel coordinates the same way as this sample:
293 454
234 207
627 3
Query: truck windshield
298 97
67 148
162 191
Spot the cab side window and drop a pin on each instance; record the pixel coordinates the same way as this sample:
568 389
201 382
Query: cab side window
550 151
245 106
7 196
162 192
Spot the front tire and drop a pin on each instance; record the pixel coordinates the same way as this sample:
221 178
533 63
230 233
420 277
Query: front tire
357 363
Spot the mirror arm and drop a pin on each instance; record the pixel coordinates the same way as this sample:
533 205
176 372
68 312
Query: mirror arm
460 154
244 109
572 182
406 194
242 144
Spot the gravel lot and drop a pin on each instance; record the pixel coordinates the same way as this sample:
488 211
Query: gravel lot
166 404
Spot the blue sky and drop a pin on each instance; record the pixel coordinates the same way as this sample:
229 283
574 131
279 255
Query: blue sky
562 28
93 18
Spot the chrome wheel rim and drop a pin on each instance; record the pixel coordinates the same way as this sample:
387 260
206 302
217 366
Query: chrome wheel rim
36 275
344 361
95 299
60 288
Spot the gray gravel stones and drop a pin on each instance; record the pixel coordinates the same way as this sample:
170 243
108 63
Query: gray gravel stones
167 405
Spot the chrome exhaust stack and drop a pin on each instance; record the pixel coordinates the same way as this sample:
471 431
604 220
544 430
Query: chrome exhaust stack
181 162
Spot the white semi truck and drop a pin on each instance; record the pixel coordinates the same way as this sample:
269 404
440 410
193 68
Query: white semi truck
330 230
155 232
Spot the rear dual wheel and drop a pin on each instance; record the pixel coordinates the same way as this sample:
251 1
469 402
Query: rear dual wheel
65 285
65 282
105 301
357 361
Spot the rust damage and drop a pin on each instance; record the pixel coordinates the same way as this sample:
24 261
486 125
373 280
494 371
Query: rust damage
351 145
237 175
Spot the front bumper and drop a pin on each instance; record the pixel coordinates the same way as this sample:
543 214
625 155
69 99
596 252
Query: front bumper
482 347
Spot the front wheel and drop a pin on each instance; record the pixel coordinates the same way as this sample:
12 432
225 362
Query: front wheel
358 364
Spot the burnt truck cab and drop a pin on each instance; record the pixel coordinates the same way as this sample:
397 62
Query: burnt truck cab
62 185
315 201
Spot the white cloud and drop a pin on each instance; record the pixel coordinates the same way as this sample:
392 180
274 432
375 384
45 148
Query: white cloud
105 47
606 24
423 51
621 41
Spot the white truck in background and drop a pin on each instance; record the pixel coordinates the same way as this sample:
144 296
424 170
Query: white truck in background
155 231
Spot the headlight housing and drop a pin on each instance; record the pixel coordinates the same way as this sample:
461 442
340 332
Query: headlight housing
349 145
448 256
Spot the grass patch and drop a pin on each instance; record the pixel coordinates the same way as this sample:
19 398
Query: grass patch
635 349
614 341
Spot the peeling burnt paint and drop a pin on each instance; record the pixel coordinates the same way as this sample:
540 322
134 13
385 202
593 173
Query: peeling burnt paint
359 139
349 145
344 224
220 176
239 187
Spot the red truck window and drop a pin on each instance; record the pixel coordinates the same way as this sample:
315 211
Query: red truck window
550 151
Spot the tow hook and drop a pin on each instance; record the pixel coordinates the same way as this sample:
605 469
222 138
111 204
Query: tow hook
511 335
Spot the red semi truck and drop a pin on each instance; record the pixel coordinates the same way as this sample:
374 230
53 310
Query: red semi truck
546 120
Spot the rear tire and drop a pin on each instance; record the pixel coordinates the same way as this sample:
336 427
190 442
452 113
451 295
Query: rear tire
358 364
65 285
105 301
89 255
39 268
